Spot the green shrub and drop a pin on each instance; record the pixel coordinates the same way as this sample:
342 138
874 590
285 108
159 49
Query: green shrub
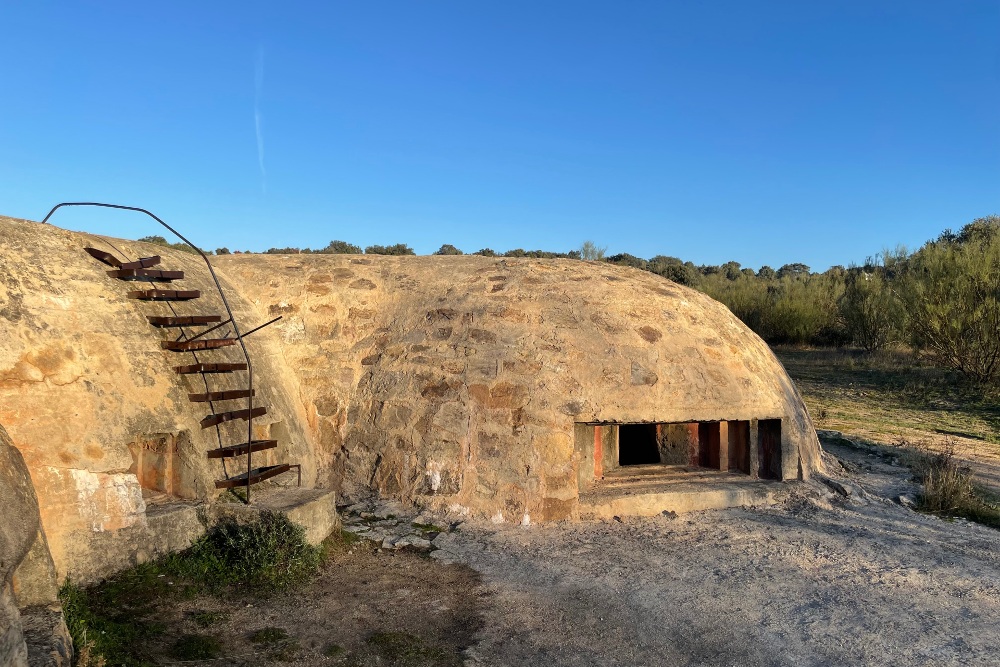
397 249
340 248
159 240
268 554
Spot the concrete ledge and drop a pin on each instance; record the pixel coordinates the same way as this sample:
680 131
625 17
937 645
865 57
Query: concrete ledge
313 509
172 527
605 505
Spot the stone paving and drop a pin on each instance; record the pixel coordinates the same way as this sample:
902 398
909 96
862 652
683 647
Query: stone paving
394 526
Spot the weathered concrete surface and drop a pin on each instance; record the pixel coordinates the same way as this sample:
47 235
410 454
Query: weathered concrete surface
47 637
17 532
455 382
313 509
35 581
679 499
85 390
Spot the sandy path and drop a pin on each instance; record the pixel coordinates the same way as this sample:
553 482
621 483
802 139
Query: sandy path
819 580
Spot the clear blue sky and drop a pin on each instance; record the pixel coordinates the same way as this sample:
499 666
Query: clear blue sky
761 132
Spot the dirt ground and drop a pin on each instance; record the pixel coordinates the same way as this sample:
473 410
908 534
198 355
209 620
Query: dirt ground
821 579
818 579
367 607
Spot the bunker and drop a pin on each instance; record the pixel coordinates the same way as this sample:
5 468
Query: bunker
517 390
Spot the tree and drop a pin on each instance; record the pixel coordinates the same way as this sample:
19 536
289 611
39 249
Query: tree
793 270
871 312
766 273
952 294
486 252
448 249
671 268
625 259
980 230
398 249
732 270
340 248
591 252
222 251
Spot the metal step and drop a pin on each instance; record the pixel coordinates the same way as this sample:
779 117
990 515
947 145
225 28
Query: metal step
223 417
200 344
254 476
111 260
241 449
209 368
183 321
164 295
147 275
221 395
103 256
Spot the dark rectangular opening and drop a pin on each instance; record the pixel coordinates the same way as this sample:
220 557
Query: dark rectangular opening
637 444
739 446
708 445
769 448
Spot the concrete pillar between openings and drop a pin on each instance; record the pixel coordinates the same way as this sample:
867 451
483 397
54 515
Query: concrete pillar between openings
694 458
724 446
754 453
598 453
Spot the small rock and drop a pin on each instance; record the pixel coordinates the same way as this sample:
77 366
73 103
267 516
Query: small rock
420 543
446 557
356 529
906 501
618 519
670 514
836 486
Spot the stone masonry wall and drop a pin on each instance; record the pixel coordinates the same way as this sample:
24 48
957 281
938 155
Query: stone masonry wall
455 382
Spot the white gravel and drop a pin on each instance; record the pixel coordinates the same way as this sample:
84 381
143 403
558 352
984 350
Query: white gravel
821 579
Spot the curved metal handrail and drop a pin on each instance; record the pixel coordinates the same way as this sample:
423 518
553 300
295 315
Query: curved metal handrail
225 302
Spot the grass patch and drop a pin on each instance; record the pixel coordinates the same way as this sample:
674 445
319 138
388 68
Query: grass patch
196 647
428 527
402 648
204 619
950 491
117 619
269 636
278 643
333 651
339 541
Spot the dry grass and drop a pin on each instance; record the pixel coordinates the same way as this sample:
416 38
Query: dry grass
891 396
950 490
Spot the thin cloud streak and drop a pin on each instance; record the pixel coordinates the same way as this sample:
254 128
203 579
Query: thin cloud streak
258 120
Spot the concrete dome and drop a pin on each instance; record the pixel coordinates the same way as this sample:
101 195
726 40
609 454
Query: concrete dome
482 384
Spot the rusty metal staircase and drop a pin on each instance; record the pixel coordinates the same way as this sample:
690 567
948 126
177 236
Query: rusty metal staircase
159 288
